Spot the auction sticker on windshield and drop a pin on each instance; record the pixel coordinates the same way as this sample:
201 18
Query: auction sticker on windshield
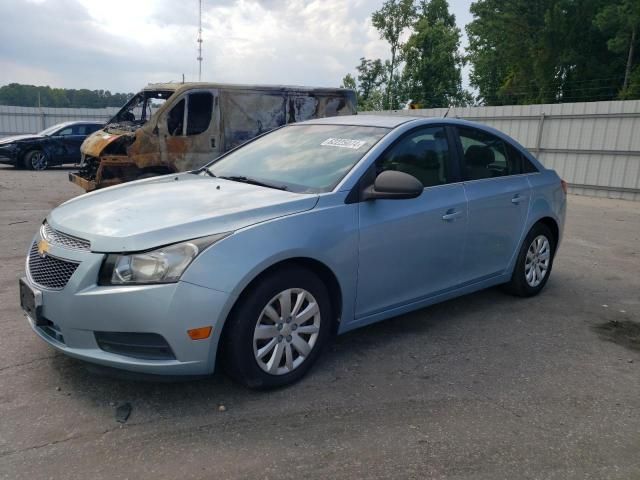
343 143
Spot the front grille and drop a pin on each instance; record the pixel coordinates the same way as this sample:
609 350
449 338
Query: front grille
63 240
49 272
145 346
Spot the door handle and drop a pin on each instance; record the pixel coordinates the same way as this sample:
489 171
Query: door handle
517 198
451 215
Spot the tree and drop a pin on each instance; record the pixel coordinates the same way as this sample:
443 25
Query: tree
432 73
371 78
348 82
621 22
390 21
32 96
545 51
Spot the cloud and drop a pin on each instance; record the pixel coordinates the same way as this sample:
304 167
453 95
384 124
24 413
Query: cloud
121 45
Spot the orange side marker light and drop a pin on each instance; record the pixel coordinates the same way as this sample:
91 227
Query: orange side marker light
199 333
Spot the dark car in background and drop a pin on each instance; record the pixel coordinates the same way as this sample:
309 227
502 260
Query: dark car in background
55 145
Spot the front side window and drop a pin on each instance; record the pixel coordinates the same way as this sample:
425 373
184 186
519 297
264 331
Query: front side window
175 119
423 153
199 110
487 156
301 158
65 131
199 114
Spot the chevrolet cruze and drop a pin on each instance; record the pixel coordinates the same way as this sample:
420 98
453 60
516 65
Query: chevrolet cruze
317 228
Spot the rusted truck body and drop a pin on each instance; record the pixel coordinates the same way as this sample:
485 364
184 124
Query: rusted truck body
172 127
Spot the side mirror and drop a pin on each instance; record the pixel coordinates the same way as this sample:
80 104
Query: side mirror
393 185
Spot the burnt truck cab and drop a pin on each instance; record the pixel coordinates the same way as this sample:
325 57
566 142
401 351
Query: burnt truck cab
169 128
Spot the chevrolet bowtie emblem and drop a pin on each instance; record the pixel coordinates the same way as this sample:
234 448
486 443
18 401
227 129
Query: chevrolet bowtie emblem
43 247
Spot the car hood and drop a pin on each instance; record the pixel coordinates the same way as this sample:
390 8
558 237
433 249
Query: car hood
95 143
158 211
17 138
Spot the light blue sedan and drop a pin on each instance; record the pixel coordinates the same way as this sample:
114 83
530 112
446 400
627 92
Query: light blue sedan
316 228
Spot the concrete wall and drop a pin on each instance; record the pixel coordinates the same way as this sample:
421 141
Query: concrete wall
594 146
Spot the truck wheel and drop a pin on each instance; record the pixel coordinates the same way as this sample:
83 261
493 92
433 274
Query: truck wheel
36 160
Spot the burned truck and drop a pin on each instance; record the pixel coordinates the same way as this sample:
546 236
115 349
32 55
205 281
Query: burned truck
169 128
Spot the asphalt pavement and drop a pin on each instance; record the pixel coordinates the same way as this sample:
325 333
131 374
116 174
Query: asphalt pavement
486 386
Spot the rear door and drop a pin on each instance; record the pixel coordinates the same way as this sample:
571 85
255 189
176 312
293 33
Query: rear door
412 249
498 194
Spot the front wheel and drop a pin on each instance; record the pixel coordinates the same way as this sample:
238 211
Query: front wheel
278 329
36 160
534 263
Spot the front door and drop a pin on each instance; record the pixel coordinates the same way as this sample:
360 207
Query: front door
189 133
498 196
412 249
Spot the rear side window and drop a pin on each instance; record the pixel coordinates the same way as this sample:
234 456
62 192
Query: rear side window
423 153
487 156
523 164
200 110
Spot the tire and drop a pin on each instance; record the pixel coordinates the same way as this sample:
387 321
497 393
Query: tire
525 280
36 160
241 349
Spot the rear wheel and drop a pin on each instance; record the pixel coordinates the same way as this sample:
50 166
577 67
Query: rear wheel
534 263
278 329
36 160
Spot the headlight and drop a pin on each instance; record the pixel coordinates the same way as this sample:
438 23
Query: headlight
163 265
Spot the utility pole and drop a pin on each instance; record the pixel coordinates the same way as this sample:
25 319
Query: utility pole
200 42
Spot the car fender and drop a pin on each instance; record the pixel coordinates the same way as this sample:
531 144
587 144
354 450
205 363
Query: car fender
328 234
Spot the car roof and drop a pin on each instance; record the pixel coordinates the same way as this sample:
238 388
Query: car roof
384 121
77 122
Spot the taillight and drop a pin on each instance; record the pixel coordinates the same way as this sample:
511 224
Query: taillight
564 186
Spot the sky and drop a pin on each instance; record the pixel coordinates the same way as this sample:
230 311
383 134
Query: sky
121 45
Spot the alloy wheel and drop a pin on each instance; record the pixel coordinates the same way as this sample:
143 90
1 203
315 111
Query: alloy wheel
38 160
538 260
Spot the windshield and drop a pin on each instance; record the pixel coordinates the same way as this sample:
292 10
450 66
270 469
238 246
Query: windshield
302 158
47 132
139 109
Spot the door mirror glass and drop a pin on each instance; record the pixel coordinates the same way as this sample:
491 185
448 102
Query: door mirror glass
394 185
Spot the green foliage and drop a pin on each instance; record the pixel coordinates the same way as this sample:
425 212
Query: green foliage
390 21
371 78
426 69
348 82
27 96
432 73
546 51
621 23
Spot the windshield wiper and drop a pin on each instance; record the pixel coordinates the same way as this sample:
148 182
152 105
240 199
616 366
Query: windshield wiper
207 171
252 181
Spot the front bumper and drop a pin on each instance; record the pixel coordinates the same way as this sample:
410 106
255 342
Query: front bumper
68 319
85 184
8 154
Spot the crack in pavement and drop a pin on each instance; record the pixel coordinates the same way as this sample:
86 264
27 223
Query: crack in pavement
17 365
